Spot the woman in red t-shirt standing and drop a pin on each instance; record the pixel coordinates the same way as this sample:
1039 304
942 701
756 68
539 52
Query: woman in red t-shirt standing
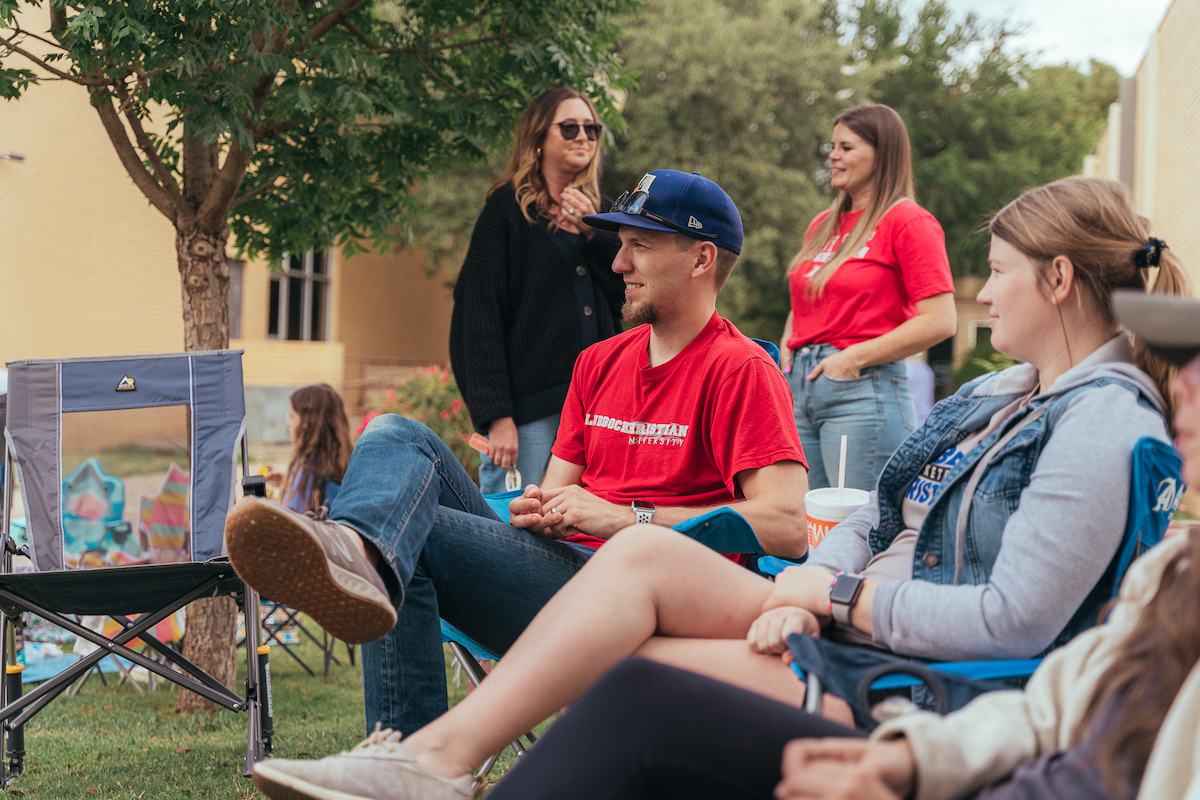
870 287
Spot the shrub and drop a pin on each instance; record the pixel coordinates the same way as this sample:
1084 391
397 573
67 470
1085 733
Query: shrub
983 359
432 397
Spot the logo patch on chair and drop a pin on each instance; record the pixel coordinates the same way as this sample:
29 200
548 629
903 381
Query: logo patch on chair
126 385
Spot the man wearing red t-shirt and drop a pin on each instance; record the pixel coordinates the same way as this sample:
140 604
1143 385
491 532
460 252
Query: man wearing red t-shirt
678 416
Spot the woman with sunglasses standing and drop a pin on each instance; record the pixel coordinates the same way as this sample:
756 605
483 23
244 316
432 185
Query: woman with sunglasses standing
870 287
536 287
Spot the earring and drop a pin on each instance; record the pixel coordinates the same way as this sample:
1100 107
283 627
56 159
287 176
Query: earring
539 152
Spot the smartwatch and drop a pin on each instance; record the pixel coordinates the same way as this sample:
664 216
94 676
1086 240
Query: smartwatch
843 594
643 510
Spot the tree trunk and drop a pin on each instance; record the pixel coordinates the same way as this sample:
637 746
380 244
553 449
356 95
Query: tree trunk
210 641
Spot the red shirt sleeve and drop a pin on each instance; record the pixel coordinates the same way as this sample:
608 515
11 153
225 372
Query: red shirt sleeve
568 443
753 422
920 248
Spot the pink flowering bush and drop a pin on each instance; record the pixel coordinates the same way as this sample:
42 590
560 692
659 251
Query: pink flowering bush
432 397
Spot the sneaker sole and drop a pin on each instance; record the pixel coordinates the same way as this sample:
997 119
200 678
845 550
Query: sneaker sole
281 786
284 562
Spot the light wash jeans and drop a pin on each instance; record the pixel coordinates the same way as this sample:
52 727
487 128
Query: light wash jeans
875 411
446 554
534 440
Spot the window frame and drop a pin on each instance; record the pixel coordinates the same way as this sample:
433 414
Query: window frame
309 278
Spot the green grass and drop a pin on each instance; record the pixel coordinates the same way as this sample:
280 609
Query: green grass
130 460
110 742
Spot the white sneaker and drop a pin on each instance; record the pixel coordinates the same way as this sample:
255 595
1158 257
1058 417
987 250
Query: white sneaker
379 768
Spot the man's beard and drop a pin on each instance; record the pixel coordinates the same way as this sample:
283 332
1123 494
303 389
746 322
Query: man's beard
639 313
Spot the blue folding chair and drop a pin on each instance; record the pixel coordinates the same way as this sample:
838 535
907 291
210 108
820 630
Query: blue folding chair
1156 487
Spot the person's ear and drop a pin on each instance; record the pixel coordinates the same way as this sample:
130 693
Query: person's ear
706 259
1060 278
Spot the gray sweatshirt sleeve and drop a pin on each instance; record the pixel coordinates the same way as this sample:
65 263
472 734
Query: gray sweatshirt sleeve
1055 547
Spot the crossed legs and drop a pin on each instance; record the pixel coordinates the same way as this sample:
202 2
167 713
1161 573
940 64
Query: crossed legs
650 592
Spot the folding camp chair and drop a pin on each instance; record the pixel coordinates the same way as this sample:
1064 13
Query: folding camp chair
209 385
1156 488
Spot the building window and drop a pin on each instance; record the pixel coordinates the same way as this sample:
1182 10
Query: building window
299 301
978 332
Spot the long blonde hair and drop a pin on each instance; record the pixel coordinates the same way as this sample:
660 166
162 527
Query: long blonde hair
882 128
1092 222
524 173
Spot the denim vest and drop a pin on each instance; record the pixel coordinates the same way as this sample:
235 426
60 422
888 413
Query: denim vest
996 496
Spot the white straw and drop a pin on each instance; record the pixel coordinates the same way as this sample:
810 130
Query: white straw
842 469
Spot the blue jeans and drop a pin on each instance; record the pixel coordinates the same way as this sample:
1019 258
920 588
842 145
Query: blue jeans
444 554
534 440
875 412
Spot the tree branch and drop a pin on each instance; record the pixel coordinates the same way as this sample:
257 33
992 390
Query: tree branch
9 45
499 37
270 184
165 179
449 34
214 210
330 21
442 79
159 197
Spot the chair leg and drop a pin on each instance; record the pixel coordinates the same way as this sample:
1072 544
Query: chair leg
10 691
475 675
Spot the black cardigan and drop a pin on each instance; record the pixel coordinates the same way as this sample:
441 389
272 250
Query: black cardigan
524 309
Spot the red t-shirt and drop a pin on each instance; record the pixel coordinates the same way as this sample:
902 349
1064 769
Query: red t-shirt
678 433
877 289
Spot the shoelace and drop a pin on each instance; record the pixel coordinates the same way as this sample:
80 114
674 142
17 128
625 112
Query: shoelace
380 737
320 515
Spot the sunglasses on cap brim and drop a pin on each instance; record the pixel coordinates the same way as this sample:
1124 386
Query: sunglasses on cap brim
634 202
570 129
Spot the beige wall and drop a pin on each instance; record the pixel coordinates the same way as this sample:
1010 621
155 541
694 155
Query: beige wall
1165 116
393 317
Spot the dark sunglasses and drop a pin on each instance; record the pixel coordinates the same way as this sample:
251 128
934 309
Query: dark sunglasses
634 202
570 129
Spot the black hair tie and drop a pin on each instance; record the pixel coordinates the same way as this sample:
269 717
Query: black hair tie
1148 254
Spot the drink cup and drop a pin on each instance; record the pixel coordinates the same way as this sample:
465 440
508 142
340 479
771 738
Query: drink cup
825 509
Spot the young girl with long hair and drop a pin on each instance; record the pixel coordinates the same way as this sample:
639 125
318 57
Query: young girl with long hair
320 435
870 287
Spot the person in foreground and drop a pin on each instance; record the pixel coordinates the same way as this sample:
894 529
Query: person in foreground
1033 571
536 286
1112 716
675 417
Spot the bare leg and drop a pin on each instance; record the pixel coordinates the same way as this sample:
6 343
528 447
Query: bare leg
647 580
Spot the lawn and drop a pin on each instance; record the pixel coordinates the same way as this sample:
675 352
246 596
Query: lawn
110 742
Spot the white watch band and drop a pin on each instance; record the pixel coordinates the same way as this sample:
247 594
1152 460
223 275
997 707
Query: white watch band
643 515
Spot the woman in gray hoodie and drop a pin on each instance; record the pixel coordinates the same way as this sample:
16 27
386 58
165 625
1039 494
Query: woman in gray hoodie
989 535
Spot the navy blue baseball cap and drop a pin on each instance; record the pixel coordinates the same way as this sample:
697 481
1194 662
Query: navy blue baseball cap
677 202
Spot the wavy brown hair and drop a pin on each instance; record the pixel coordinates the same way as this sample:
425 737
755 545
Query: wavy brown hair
322 446
1092 222
1136 691
882 128
524 172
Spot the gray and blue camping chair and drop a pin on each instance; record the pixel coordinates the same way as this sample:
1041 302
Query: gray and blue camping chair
854 673
40 393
